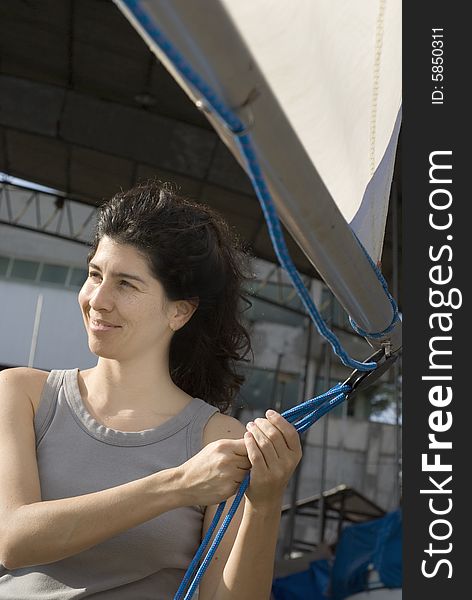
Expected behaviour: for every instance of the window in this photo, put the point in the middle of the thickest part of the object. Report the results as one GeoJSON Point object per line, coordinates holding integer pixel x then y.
{"type": "Point", "coordinates": [24, 269]}
{"type": "Point", "coordinates": [380, 402]}
{"type": "Point", "coordinates": [78, 277]}
{"type": "Point", "coordinates": [3, 265]}
{"type": "Point", "coordinates": [332, 311]}
{"type": "Point", "coordinates": [54, 274]}
{"type": "Point", "coordinates": [27, 270]}
{"type": "Point", "coordinates": [265, 388]}
{"type": "Point", "coordinates": [268, 311]}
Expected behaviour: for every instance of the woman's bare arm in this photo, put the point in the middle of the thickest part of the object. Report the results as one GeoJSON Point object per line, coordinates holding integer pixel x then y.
{"type": "Point", "coordinates": [35, 532]}
{"type": "Point", "coordinates": [243, 565]}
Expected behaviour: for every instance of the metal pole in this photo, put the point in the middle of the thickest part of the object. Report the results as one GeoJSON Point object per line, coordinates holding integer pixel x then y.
{"type": "Point", "coordinates": [275, 386]}
{"type": "Point", "coordinates": [290, 528]}
{"type": "Point", "coordinates": [34, 338]}
{"type": "Point", "coordinates": [341, 462]}
{"type": "Point", "coordinates": [396, 369]}
{"type": "Point", "coordinates": [398, 436]}
{"type": "Point", "coordinates": [327, 377]}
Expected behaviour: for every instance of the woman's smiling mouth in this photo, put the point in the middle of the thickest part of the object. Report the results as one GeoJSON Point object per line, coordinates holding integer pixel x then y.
{"type": "Point", "coordinates": [98, 325]}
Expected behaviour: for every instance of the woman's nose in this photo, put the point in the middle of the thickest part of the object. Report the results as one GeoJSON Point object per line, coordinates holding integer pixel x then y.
{"type": "Point", "coordinates": [102, 297]}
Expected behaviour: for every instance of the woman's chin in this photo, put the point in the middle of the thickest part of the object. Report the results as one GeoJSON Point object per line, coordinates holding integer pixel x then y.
{"type": "Point", "coordinates": [102, 350]}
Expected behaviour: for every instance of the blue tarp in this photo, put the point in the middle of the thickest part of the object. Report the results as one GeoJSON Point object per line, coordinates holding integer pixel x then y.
{"type": "Point", "coordinates": [377, 543]}
{"type": "Point", "coordinates": [312, 583]}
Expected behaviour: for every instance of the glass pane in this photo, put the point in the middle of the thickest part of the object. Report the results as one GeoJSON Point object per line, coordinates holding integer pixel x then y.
{"type": "Point", "coordinates": [381, 402]}
{"type": "Point", "coordinates": [24, 269]}
{"type": "Point", "coordinates": [332, 311]}
{"type": "Point", "coordinates": [263, 389]}
{"type": "Point", "coordinates": [256, 391]}
{"type": "Point", "coordinates": [78, 277]}
{"type": "Point", "coordinates": [54, 274]}
{"type": "Point", "coordinates": [3, 265]}
{"type": "Point", "coordinates": [263, 311]}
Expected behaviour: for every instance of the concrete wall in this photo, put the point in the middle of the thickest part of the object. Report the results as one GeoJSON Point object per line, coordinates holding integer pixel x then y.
{"type": "Point", "coordinates": [360, 454]}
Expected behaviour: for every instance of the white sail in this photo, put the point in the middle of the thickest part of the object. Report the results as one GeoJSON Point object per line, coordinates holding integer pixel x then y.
{"type": "Point", "coordinates": [335, 67]}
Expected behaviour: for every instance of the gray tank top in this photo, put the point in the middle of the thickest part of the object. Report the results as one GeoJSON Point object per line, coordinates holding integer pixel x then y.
{"type": "Point", "coordinates": [78, 455]}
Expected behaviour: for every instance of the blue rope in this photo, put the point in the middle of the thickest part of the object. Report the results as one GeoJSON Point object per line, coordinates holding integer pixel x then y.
{"type": "Point", "coordinates": [280, 247]}
{"type": "Point", "coordinates": [302, 417]}
{"type": "Point", "coordinates": [237, 127]}
{"type": "Point", "coordinates": [204, 543]}
{"type": "Point", "coordinates": [216, 542]}
{"type": "Point", "coordinates": [393, 304]}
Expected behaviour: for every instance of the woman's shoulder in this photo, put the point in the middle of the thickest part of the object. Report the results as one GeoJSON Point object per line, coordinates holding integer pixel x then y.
{"type": "Point", "coordinates": [221, 426]}
{"type": "Point", "coordinates": [29, 380]}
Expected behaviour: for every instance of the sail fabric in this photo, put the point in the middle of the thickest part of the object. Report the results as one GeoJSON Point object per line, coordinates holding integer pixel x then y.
{"type": "Point", "coordinates": [335, 67]}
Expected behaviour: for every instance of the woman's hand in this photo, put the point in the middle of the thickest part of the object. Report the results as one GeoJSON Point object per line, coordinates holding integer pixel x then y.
{"type": "Point", "coordinates": [274, 450]}
{"type": "Point", "coordinates": [215, 473]}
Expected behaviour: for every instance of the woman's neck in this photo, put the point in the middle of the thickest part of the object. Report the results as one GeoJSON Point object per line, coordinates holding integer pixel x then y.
{"type": "Point", "coordinates": [131, 388]}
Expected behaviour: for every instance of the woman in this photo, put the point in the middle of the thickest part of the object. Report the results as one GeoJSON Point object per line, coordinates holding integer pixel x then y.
{"type": "Point", "coordinates": [112, 475]}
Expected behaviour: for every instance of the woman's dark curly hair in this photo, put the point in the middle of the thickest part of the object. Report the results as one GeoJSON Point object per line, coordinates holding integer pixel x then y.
{"type": "Point", "coordinates": [193, 253]}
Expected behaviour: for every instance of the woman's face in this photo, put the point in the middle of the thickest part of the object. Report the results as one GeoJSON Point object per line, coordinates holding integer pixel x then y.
{"type": "Point", "coordinates": [121, 291]}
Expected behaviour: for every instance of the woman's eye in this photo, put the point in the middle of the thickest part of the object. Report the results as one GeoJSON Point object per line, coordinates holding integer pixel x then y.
{"type": "Point", "coordinates": [123, 282]}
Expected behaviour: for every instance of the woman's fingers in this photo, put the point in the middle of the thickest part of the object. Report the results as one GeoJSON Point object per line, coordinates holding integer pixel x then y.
{"type": "Point", "coordinates": [237, 446]}
{"type": "Point", "coordinates": [288, 431]}
{"type": "Point", "coordinates": [240, 478]}
{"type": "Point", "coordinates": [265, 444]}
{"type": "Point", "coordinates": [274, 449]}
{"type": "Point", "coordinates": [273, 434]}
{"type": "Point", "coordinates": [254, 452]}
{"type": "Point", "coordinates": [280, 432]}
{"type": "Point", "coordinates": [245, 466]}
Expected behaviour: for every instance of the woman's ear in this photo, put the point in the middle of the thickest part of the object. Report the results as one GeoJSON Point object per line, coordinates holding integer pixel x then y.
{"type": "Point", "coordinates": [182, 312]}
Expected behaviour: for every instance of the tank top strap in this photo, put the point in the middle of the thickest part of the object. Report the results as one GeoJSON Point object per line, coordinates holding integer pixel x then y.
{"type": "Point", "coordinates": [47, 403]}
{"type": "Point", "coordinates": [201, 416]}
